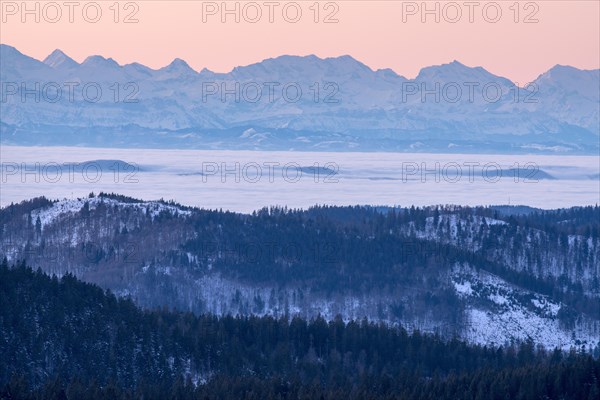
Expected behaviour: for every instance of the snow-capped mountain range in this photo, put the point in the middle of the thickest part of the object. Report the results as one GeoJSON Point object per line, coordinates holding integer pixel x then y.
{"type": "Point", "coordinates": [293, 102]}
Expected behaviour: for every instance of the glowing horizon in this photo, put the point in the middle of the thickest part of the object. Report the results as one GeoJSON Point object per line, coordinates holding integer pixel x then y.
{"type": "Point", "coordinates": [282, 55]}
{"type": "Point", "coordinates": [379, 34]}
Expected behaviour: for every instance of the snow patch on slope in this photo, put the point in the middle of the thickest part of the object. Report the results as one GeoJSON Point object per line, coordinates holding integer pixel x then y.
{"type": "Point", "coordinates": [66, 207]}
{"type": "Point", "coordinates": [499, 313]}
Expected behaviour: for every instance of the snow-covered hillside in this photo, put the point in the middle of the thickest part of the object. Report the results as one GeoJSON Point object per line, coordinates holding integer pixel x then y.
{"type": "Point", "coordinates": [489, 277]}
{"type": "Point", "coordinates": [499, 313]}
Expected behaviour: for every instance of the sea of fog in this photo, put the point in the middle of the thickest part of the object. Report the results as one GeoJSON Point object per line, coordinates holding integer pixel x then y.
{"type": "Point", "coordinates": [244, 181]}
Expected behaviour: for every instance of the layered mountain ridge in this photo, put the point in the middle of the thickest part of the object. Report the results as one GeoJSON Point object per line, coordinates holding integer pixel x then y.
{"type": "Point", "coordinates": [296, 103]}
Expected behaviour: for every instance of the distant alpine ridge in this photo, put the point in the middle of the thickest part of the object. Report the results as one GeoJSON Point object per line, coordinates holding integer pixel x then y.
{"type": "Point", "coordinates": [295, 103]}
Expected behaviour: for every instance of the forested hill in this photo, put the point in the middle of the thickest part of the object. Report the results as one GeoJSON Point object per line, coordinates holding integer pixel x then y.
{"type": "Point", "coordinates": [65, 339]}
{"type": "Point", "coordinates": [488, 275]}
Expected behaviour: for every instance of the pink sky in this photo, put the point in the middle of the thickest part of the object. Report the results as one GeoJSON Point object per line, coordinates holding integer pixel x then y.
{"type": "Point", "coordinates": [567, 32]}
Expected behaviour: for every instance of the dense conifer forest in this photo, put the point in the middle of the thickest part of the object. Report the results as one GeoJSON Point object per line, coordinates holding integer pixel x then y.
{"type": "Point", "coordinates": [489, 275]}
{"type": "Point", "coordinates": [66, 339]}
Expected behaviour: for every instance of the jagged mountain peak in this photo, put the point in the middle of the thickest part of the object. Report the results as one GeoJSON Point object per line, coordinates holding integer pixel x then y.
{"type": "Point", "coordinates": [7, 50]}
{"type": "Point", "coordinates": [97, 61]}
{"type": "Point", "coordinates": [559, 72]}
{"type": "Point", "coordinates": [572, 81]}
{"type": "Point", "coordinates": [140, 68]}
{"type": "Point", "coordinates": [178, 65]}
{"type": "Point", "coordinates": [58, 59]}
{"type": "Point", "coordinates": [295, 65]}
{"type": "Point", "coordinates": [15, 65]}
{"type": "Point", "coordinates": [10, 55]}
{"type": "Point", "coordinates": [459, 72]}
